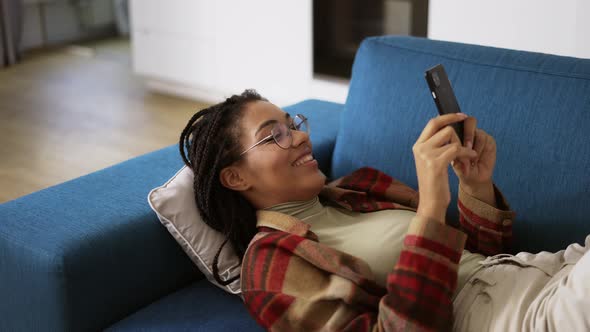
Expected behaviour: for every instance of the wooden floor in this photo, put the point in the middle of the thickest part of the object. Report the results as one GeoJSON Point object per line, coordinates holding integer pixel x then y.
{"type": "Point", "coordinates": [69, 112]}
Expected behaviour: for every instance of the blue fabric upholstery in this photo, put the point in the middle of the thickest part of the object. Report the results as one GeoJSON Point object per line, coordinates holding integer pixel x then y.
{"type": "Point", "coordinates": [199, 307]}
{"type": "Point", "coordinates": [84, 254]}
{"type": "Point", "coordinates": [88, 252]}
{"type": "Point", "coordinates": [537, 106]}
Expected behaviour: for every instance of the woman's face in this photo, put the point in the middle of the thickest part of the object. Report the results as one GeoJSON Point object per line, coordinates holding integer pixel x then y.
{"type": "Point", "coordinates": [268, 174]}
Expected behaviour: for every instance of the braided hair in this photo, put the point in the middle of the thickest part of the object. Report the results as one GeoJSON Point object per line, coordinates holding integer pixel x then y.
{"type": "Point", "coordinates": [211, 140]}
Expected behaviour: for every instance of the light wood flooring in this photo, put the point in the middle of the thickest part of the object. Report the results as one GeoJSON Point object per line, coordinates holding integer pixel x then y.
{"type": "Point", "coordinates": [69, 112]}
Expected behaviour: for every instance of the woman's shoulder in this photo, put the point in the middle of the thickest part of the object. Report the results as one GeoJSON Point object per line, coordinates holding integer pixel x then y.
{"type": "Point", "coordinates": [269, 248]}
{"type": "Point", "coordinates": [269, 238]}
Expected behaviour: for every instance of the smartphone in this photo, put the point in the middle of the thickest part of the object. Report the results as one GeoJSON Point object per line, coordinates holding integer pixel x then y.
{"type": "Point", "coordinates": [443, 95]}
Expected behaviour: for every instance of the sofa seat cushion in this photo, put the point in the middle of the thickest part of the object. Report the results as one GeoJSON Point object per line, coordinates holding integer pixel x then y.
{"type": "Point", "coordinates": [198, 307]}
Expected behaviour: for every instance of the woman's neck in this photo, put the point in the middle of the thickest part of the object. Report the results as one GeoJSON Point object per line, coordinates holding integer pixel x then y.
{"type": "Point", "coordinates": [298, 209]}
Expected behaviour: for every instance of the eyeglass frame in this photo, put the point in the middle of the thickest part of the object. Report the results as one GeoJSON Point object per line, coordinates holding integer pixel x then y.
{"type": "Point", "coordinates": [271, 136]}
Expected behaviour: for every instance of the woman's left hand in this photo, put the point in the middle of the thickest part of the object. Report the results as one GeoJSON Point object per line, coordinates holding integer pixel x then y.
{"type": "Point", "coordinates": [475, 174]}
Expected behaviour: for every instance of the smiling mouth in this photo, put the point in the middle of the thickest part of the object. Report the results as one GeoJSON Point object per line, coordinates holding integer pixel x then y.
{"type": "Point", "coordinates": [302, 160]}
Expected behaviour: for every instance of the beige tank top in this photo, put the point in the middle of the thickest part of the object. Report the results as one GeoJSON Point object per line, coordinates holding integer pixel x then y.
{"type": "Point", "coordinates": [375, 237]}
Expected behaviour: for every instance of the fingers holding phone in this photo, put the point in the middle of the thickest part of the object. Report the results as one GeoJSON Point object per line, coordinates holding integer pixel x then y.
{"type": "Point", "coordinates": [469, 129]}
{"type": "Point", "coordinates": [475, 163]}
{"type": "Point", "coordinates": [434, 149]}
{"type": "Point", "coordinates": [480, 168]}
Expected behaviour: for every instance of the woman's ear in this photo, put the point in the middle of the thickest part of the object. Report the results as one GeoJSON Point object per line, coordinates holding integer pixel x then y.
{"type": "Point", "coordinates": [232, 178]}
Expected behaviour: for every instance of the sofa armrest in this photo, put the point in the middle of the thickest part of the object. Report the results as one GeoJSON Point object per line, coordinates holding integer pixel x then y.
{"type": "Point", "coordinates": [86, 253]}
{"type": "Point", "coordinates": [324, 121]}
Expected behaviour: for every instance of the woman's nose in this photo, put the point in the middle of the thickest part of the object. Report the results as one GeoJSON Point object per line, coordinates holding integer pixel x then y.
{"type": "Point", "coordinates": [299, 137]}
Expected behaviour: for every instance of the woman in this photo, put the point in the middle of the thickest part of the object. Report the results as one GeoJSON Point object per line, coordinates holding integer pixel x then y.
{"type": "Point", "coordinates": [369, 257]}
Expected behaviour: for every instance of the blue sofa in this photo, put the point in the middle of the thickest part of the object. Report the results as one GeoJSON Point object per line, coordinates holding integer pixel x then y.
{"type": "Point", "coordinates": [89, 254]}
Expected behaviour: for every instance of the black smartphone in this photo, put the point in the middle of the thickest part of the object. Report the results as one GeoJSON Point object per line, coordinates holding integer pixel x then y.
{"type": "Point", "coordinates": [443, 95]}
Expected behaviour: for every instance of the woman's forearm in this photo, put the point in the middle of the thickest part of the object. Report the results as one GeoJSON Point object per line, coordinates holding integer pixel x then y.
{"type": "Point", "coordinates": [432, 211]}
{"type": "Point", "coordinates": [483, 192]}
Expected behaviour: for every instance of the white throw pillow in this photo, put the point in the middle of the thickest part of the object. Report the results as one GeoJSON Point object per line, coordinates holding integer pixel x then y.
{"type": "Point", "coordinates": [174, 203]}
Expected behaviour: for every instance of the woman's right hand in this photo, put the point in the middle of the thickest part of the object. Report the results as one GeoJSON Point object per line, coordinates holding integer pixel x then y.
{"type": "Point", "coordinates": [434, 150]}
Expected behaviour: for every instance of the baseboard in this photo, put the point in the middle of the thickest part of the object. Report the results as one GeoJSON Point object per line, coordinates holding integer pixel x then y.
{"type": "Point", "coordinates": [178, 89]}
{"type": "Point", "coordinates": [322, 87]}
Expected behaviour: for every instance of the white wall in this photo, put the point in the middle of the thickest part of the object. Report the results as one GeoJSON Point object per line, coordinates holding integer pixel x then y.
{"type": "Point", "coordinates": [209, 50]}
{"type": "Point", "coordinates": [583, 29]}
{"type": "Point", "coordinates": [212, 49]}
{"type": "Point", "coordinates": [548, 26]}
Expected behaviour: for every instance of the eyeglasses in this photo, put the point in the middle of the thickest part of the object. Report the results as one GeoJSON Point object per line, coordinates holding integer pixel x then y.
{"type": "Point", "coordinates": [281, 134]}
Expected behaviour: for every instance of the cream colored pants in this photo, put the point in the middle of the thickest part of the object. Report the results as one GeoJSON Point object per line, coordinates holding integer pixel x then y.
{"type": "Point", "coordinates": [528, 292]}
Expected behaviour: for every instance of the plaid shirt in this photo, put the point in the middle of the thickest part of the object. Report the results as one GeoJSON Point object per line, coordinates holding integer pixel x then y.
{"type": "Point", "coordinates": [292, 282]}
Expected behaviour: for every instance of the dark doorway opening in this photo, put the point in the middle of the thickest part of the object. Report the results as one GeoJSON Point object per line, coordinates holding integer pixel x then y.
{"type": "Point", "coordinates": [339, 26]}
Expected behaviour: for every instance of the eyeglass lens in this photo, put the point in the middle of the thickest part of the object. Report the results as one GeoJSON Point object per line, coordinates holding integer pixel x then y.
{"type": "Point", "coordinates": [282, 134]}
{"type": "Point", "coordinates": [301, 124]}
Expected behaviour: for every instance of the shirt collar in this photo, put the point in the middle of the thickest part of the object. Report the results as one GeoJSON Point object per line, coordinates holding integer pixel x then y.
{"type": "Point", "coordinates": [299, 209]}
{"type": "Point", "coordinates": [285, 223]}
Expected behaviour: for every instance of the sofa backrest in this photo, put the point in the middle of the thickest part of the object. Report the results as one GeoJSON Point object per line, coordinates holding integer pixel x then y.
{"type": "Point", "coordinates": [537, 107]}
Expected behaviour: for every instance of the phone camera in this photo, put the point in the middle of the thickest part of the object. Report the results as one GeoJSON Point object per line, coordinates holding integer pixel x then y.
{"type": "Point", "coordinates": [436, 79]}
